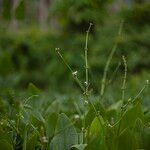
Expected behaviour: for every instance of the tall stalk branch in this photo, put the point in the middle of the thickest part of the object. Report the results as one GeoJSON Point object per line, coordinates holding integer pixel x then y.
{"type": "Point", "coordinates": [74, 73]}
{"type": "Point", "coordinates": [86, 61]}
{"type": "Point", "coordinates": [124, 78]}
{"type": "Point", "coordinates": [103, 84]}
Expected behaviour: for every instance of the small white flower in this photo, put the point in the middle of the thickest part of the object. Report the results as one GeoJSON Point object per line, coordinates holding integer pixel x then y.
{"type": "Point", "coordinates": [147, 82]}
{"type": "Point", "coordinates": [129, 100]}
{"type": "Point", "coordinates": [86, 102]}
{"type": "Point", "coordinates": [85, 83]}
{"type": "Point", "coordinates": [44, 139]}
{"type": "Point", "coordinates": [76, 117]}
{"type": "Point", "coordinates": [109, 125]}
{"type": "Point", "coordinates": [57, 49]}
{"type": "Point", "coordinates": [75, 73]}
{"type": "Point", "coordinates": [83, 129]}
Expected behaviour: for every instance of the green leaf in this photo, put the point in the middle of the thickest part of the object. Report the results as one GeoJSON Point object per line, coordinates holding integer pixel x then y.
{"type": "Point", "coordinates": [96, 135]}
{"type": "Point", "coordinates": [146, 138]}
{"type": "Point", "coordinates": [79, 146]}
{"type": "Point", "coordinates": [115, 106]}
{"type": "Point", "coordinates": [53, 108]}
{"type": "Point", "coordinates": [20, 10]}
{"type": "Point", "coordinates": [65, 134]}
{"type": "Point", "coordinates": [4, 145]}
{"type": "Point", "coordinates": [37, 120]}
{"type": "Point", "coordinates": [33, 90]}
{"type": "Point", "coordinates": [50, 124]}
{"type": "Point", "coordinates": [4, 136]}
{"type": "Point", "coordinates": [138, 131]}
{"type": "Point", "coordinates": [91, 113]}
{"type": "Point", "coordinates": [130, 116]}
{"type": "Point", "coordinates": [112, 112]}
{"type": "Point", "coordinates": [126, 141]}
{"type": "Point", "coordinates": [32, 141]}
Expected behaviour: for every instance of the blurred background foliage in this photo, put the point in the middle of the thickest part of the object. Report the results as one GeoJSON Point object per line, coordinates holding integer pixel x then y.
{"type": "Point", "coordinates": [30, 30]}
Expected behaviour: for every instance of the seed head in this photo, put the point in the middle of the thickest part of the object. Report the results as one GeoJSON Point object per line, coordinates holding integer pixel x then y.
{"type": "Point", "coordinates": [57, 49]}
{"type": "Point", "coordinates": [75, 73]}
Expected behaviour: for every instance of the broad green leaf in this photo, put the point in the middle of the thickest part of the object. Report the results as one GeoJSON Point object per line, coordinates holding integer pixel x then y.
{"type": "Point", "coordinates": [53, 108]}
{"type": "Point", "coordinates": [130, 116]}
{"type": "Point", "coordinates": [146, 138]}
{"type": "Point", "coordinates": [96, 136]}
{"type": "Point", "coordinates": [4, 145]}
{"type": "Point", "coordinates": [79, 146]}
{"type": "Point", "coordinates": [92, 114]}
{"type": "Point", "coordinates": [112, 112]}
{"type": "Point", "coordinates": [126, 141]}
{"type": "Point", "coordinates": [36, 120]}
{"type": "Point", "coordinates": [80, 137]}
{"type": "Point", "coordinates": [65, 134]}
{"type": "Point", "coordinates": [50, 124]}
{"type": "Point", "coordinates": [115, 106]}
{"type": "Point", "coordinates": [4, 136]}
{"type": "Point", "coordinates": [32, 141]}
{"type": "Point", "coordinates": [33, 90]}
{"type": "Point", "coordinates": [138, 131]}
{"type": "Point", "coordinates": [110, 138]}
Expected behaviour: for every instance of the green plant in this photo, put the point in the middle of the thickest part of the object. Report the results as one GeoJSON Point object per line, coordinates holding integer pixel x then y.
{"type": "Point", "coordinates": [84, 123]}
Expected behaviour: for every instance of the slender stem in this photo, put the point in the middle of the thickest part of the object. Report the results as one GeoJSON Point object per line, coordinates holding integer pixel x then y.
{"type": "Point", "coordinates": [86, 61]}
{"type": "Point", "coordinates": [108, 62]}
{"type": "Point", "coordinates": [144, 87]}
{"type": "Point", "coordinates": [74, 74]}
{"type": "Point", "coordinates": [124, 79]}
{"type": "Point", "coordinates": [79, 83]}
{"type": "Point", "coordinates": [62, 58]}
{"type": "Point", "coordinates": [113, 74]}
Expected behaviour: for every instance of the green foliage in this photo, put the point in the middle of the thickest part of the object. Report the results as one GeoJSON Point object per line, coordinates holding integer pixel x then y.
{"type": "Point", "coordinates": [34, 119]}
{"type": "Point", "coordinates": [65, 134]}
{"type": "Point", "coordinates": [20, 10]}
{"type": "Point", "coordinates": [7, 9]}
{"type": "Point", "coordinates": [52, 129]}
{"type": "Point", "coordinates": [138, 15]}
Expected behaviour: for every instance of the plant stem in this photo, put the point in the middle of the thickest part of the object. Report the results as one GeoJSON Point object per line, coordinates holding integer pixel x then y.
{"type": "Point", "coordinates": [108, 62]}
{"type": "Point", "coordinates": [113, 74]}
{"type": "Point", "coordinates": [74, 74]}
{"type": "Point", "coordinates": [62, 58]}
{"type": "Point", "coordinates": [144, 87]}
{"type": "Point", "coordinates": [124, 79]}
{"type": "Point", "coordinates": [86, 61]}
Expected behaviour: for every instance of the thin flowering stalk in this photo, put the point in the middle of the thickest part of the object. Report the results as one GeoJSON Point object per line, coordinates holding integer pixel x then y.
{"type": "Point", "coordinates": [62, 58]}
{"type": "Point", "coordinates": [86, 61]}
{"type": "Point", "coordinates": [113, 74]}
{"type": "Point", "coordinates": [74, 73]}
{"type": "Point", "coordinates": [124, 78]}
{"type": "Point", "coordinates": [108, 62]}
{"type": "Point", "coordinates": [144, 87]}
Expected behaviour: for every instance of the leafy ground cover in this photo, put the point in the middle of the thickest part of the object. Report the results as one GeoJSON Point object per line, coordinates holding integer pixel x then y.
{"type": "Point", "coordinates": [36, 120]}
